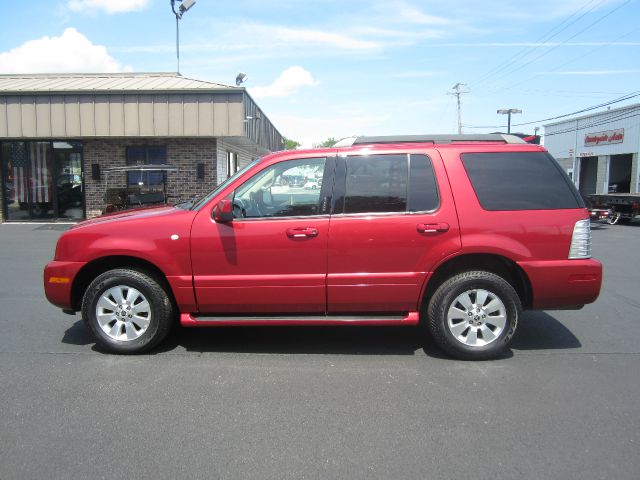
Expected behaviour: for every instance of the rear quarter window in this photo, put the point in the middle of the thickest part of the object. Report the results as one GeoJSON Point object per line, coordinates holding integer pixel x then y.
{"type": "Point", "coordinates": [520, 181]}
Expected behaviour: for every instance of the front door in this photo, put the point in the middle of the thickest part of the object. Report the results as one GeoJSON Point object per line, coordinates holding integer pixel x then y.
{"type": "Point", "coordinates": [68, 185]}
{"type": "Point", "coordinates": [392, 222]}
{"type": "Point", "coordinates": [272, 258]}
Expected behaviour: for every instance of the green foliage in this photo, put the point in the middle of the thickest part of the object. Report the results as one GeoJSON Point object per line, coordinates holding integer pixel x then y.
{"type": "Point", "coordinates": [329, 142]}
{"type": "Point", "coordinates": [290, 144]}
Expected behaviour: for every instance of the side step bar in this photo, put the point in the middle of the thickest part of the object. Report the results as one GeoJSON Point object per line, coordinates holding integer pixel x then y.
{"type": "Point", "coordinates": [191, 320]}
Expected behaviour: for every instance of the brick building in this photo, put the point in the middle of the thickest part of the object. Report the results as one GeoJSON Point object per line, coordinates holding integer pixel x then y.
{"type": "Point", "coordinates": [62, 135]}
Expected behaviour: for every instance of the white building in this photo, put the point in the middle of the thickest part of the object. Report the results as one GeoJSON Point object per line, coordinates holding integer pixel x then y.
{"type": "Point", "coordinates": [599, 151]}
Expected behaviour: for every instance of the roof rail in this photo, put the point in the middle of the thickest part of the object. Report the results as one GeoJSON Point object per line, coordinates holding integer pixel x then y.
{"type": "Point", "coordinates": [501, 138]}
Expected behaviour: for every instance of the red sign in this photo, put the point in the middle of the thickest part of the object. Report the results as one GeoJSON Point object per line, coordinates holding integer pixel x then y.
{"type": "Point", "coordinates": [604, 138]}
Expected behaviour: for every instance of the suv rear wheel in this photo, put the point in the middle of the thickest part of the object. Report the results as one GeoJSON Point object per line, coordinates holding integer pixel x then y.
{"type": "Point", "coordinates": [473, 315]}
{"type": "Point", "coordinates": [127, 311]}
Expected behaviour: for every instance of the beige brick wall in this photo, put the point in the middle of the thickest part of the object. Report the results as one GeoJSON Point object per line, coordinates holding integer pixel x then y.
{"type": "Point", "coordinates": [184, 154]}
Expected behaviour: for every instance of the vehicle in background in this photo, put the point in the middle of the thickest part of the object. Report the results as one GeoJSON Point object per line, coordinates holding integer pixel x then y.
{"type": "Point", "coordinates": [624, 207]}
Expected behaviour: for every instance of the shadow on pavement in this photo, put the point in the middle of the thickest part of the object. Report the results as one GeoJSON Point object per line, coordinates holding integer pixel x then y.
{"type": "Point", "coordinates": [540, 331]}
{"type": "Point", "coordinates": [537, 331]}
{"type": "Point", "coordinates": [299, 340]}
{"type": "Point", "coordinates": [77, 334]}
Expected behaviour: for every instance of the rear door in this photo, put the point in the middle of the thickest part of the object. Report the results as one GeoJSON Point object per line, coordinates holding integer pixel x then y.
{"type": "Point", "coordinates": [393, 220]}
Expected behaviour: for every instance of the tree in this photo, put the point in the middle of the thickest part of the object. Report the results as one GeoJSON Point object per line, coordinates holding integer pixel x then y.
{"type": "Point", "coordinates": [290, 144]}
{"type": "Point", "coordinates": [329, 142]}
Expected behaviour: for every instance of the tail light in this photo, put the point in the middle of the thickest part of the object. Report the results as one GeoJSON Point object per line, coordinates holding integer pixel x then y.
{"type": "Point", "coordinates": [581, 240]}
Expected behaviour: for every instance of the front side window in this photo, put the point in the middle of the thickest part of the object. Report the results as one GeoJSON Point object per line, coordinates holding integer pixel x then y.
{"type": "Point", "coordinates": [286, 189]}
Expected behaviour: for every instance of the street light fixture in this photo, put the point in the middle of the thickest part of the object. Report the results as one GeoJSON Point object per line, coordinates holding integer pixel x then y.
{"type": "Point", "coordinates": [509, 111]}
{"type": "Point", "coordinates": [184, 6]}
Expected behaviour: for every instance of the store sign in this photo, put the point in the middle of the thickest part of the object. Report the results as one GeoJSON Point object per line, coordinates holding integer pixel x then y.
{"type": "Point", "coordinates": [604, 138]}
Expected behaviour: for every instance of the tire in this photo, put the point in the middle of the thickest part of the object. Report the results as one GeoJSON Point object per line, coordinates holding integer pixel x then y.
{"type": "Point", "coordinates": [127, 311]}
{"type": "Point", "coordinates": [473, 315]}
{"type": "Point", "coordinates": [615, 218]}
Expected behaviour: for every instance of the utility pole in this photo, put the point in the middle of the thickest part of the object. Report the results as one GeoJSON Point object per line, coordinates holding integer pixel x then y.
{"type": "Point", "coordinates": [457, 91]}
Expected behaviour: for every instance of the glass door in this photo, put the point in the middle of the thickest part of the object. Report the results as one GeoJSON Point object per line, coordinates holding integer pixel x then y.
{"type": "Point", "coordinates": [69, 187]}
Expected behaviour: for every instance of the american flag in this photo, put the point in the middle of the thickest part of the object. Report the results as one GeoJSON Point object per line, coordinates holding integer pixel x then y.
{"type": "Point", "coordinates": [31, 165]}
{"type": "Point", "coordinates": [40, 163]}
{"type": "Point", "coordinates": [18, 157]}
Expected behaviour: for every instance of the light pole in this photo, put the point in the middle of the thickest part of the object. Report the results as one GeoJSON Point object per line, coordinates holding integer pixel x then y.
{"type": "Point", "coordinates": [184, 6]}
{"type": "Point", "coordinates": [509, 111]}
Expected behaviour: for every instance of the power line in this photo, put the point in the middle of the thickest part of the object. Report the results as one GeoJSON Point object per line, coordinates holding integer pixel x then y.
{"type": "Point", "coordinates": [597, 123]}
{"type": "Point", "coordinates": [588, 109]}
{"type": "Point", "coordinates": [548, 51]}
{"type": "Point", "coordinates": [589, 52]}
{"type": "Point", "coordinates": [543, 40]}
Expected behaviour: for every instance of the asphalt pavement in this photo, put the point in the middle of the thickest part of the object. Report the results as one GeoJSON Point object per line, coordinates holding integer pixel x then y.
{"type": "Point", "coordinates": [316, 403]}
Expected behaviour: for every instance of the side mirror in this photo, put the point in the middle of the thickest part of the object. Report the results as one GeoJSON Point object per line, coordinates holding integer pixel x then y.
{"type": "Point", "coordinates": [223, 211]}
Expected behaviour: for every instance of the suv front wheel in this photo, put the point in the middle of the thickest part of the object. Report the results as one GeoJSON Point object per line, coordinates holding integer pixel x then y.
{"type": "Point", "coordinates": [128, 311]}
{"type": "Point", "coordinates": [473, 315]}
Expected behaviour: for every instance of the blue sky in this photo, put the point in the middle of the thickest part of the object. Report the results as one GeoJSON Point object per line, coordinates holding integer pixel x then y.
{"type": "Point", "coordinates": [337, 68]}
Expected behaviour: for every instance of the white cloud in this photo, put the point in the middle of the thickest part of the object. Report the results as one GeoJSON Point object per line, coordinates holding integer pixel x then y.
{"type": "Point", "coordinates": [288, 83]}
{"type": "Point", "coordinates": [411, 14]}
{"type": "Point", "coordinates": [108, 6]}
{"type": "Point", "coordinates": [71, 52]}
{"type": "Point", "coordinates": [320, 37]}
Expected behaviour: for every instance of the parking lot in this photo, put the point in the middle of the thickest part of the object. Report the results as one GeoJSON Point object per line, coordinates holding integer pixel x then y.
{"type": "Point", "coordinates": [296, 403]}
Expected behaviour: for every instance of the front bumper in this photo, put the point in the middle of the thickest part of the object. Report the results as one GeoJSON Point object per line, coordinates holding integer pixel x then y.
{"type": "Point", "coordinates": [563, 284]}
{"type": "Point", "coordinates": [58, 281]}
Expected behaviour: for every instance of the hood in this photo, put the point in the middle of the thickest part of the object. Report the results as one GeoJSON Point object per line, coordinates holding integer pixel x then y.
{"type": "Point", "coordinates": [133, 214]}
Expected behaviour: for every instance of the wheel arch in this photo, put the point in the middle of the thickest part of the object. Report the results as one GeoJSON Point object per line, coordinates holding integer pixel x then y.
{"type": "Point", "coordinates": [497, 264]}
{"type": "Point", "coordinates": [100, 265]}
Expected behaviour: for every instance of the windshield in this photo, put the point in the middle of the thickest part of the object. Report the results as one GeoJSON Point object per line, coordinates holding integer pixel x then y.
{"type": "Point", "coordinates": [199, 203]}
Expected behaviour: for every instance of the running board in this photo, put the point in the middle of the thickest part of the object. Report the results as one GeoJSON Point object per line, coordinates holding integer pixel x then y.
{"type": "Point", "coordinates": [190, 320]}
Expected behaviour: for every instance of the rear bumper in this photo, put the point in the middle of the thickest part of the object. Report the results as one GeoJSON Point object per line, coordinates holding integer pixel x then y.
{"type": "Point", "coordinates": [563, 284]}
{"type": "Point", "coordinates": [58, 280]}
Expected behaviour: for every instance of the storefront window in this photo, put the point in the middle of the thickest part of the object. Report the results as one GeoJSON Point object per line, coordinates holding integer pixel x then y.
{"type": "Point", "coordinates": [40, 183]}
{"type": "Point", "coordinates": [146, 156]}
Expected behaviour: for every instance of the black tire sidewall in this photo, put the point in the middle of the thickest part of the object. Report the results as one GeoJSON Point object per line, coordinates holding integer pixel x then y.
{"type": "Point", "coordinates": [450, 290]}
{"type": "Point", "coordinates": [156, 296]}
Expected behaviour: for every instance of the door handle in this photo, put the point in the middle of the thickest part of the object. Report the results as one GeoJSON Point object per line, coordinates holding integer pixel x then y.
{"type": "Point", "coordinates": [432, 227]}
{"type": "Point", "coordinates": [302, 232]}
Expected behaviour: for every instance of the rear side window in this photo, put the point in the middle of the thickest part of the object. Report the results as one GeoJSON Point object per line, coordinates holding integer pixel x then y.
{"type": "Point", "coordinates": [376, 183]}
{"type": "Point", "coordinates": [519, 181]}
{"type": "Point", "coordinates": [390, 183]}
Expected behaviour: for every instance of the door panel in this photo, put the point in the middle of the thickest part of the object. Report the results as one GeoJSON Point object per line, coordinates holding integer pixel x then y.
{"type": "Point", "coordinates": [256, 266]}
{"type": "Point", "coordinates": [378, 262]}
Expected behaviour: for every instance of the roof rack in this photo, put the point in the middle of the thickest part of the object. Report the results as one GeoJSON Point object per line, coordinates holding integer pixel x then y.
{"type": "Point", "coordinates": [501, 138]}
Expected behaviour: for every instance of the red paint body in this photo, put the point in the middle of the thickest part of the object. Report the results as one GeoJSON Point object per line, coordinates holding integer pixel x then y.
{"type": "Point", "coordinates": [372, 265]}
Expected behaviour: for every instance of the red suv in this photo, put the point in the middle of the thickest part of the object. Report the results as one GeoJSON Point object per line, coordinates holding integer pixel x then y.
{"type": "Point", "coordinates": [457, 233]}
